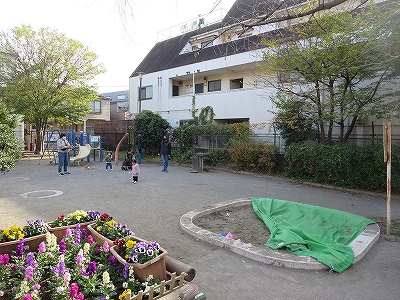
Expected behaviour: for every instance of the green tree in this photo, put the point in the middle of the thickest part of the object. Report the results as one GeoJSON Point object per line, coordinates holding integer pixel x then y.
{"type": "Point", "coordinates": [151, 127]}
{"type": "Point", "coordinates": [340, 65]}
{"type": "Point", "coordinates": [45, 76]}
{"type": "Point", "coordinates": [9, 145]}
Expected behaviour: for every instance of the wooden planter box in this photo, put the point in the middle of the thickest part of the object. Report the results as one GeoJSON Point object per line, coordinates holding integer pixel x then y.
{"type": "Point", "coordinates": [33, 243]}
{"type": "Point", "coordinates": [59, 232]}
{"type": "Point", "coordinates": [155, 267]}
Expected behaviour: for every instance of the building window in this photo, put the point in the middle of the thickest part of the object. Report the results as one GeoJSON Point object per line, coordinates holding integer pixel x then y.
{"type": "Point", "coordinates": [146, 92]}
{"type": "Point", "coordinates": [214, 85]}
{"type": "Point", "coordinates": [175, 90]}
{"type": "Point", "coordinates": [96, 107]}
{"type": "Point", "coordinates": [236, 83]}
{"type": "Point", "coordinates": [121, 97]}
{"type": "Point", "coordinates": [199, 88]}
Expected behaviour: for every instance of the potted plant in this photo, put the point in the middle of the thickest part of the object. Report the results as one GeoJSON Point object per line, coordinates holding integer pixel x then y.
{"type": "Point", "coordinates": [106, 229]}
{"type": "Point", "coordinates": [84, 218]}
{"type": "Point", "coordinates": [145, 257]}
{"type": "Point", "coordinates": [33, 233]}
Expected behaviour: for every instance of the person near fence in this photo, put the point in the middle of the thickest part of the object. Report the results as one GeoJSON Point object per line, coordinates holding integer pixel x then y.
{"type": "Point", "coordinates": [108, 159]}
{"type": "Point", "coordinates": [63, 156]}
{"type": "Point", "coordinates": [135, 171]}
{"type": "Point", "coordinates": [165, 152]}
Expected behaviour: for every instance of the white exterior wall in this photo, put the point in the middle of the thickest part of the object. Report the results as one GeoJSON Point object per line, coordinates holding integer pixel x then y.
{"type": "Point", "coordinates": [250, 102]}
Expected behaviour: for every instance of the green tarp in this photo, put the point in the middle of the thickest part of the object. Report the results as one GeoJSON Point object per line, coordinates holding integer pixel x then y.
{"type": "Point", "coordinates": [308, 230]}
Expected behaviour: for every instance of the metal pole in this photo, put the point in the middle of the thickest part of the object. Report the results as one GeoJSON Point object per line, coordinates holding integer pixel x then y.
{"type": "Point", "coordinates": [389, 175]}
{"type": "Point", "coordinates": [140, 95]}
{"type": "Point", "coordinates": [193, 85]}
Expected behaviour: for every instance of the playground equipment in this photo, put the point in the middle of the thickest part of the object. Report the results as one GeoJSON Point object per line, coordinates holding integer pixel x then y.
{"type": "Point", "coordinates": [83, 153]}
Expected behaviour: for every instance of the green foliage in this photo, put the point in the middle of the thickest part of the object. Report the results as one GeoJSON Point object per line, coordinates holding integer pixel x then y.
{"type": "Point", "coordinates": [350, 166]}
{"type": "Point", "coordinates": [152, 127]}
{"type": "Point", "coordinates": [185, 136]}
{"type": "Point", "coordinates": [182, 158]}
{"type": "Point", "coordinates": [247, 155]}
{"type": "Point", "coordinates": [330, 65]}
{"type": "Point", "coordinates": [46, 76]}
{"type": "Point", "coordinates": [9, 145]}
{"type": "Point", "coordinates": [292, 120]}
{"type": "Point", "coordinates": [216, 157]}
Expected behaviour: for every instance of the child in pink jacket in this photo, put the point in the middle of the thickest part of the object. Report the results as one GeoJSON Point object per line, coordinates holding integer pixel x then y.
{"type": "Point", "coordinates": [135, 171]}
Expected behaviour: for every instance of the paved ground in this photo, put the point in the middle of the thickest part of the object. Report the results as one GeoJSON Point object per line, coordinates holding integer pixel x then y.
{"type": "Point", "coordinates": [153, 207]}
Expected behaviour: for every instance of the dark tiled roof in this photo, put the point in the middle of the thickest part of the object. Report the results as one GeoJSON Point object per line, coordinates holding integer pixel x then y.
{"type": "Point", "coordinates": [165, 54]}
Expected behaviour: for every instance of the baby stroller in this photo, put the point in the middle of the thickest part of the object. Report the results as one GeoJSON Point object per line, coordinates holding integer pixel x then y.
{"type": "Point", "coordinates": [127, 164]}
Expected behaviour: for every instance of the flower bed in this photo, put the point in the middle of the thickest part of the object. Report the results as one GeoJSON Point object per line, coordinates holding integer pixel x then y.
{"type": "Point", "coordinates": [74, 268]}
{"type": "Point", "coordinates": [59, 226]}
{"type": "Point", "coordinates": [33, 234]}
{"type": "Point", "coordinates": [106, 229]}
{"type": "Point", "coordinates": [144, 257]}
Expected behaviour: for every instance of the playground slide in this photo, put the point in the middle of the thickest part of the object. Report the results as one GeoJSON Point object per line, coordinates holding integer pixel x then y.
{"type": "Point", "coordinates": [84, 151]}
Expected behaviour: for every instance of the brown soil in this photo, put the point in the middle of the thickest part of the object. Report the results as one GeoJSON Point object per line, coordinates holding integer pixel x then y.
{"type": "Point", "coordinates": [245, 225]}
{"type": "Point", "coordinates": [241, 221]}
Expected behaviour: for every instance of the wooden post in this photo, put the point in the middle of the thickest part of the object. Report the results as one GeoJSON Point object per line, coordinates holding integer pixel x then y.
{"type": "Point", "coordinates": [387, 145]}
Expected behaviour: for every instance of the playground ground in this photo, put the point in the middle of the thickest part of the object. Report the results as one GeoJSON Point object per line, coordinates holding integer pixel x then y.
{"type": "Point", "coordinates": [153, 207]}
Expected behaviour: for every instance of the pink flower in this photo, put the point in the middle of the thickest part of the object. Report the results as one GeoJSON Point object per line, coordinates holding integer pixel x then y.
{"type": "Point", "coordinates": [28, 297]}
{"type": "Point", "coordinates": [106, 247]}
{"type": "Point", "coordinates": [68, 232]}
{"type": "Point", "coordinates": [80, 296]}
{"type": "Point", "coordinates": [36, 287]}
{"type": "Point", "coordinates": [73, 290]}
{"type": "Point", "coordinates": [29, 273]}
{"type": "Point", "coordinates": [42, 247]}
{"type": "Point", "coordinates": [4, 259]}
{"type": "Point", "coordinates": [90, 239]}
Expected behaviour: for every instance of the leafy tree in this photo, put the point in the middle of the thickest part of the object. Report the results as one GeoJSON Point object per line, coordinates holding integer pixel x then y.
{"type": "Point", "coordinates": [293, 121]}
{"type": "Point", "coordinates": [9, 145]}
{"type": "Point", "coordinates": [152, 127]}
{"type": "Point", "coordinates": [44, 76]}
{"type": "Point", "coordinates": [340, 66]}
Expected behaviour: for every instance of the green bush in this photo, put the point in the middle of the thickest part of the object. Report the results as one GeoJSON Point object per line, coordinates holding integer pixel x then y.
{"type": "Point", "coordinates": [217, 157]}
{"type": "Point", "coordinates": [181, 158]}
{"type": "Point", "coordinates": [247, 155]}
{"type": "Point", "coordinates": [350, 166]}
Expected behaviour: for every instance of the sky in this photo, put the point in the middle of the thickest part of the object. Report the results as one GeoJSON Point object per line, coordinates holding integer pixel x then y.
{"type": "Point", "coordinates": [120, 39]}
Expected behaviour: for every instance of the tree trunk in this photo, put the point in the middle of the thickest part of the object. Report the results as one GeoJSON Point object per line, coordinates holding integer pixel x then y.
{"type": "Point", "coordinates": [40, 135]}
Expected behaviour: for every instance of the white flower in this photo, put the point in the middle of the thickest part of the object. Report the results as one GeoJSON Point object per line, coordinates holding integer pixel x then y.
{"type": "Point", "coordinates": [125, 285]}
{"type": "Point", "coordinates": [86, 248]}
{"type": "Point", "coordinates": [61, 258]}
{"type": "Point", "coordinates": [106, 277]}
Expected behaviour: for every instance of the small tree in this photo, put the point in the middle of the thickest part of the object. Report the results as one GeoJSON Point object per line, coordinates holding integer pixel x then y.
{"type": "Point", "coordinates": [340, 65]}
{"type": "Point", "coordinates": [44, 76]}
{"type": "Point", "coordinates": [9, 145]}
{"type": "Point", "coordinates": [151, 127]}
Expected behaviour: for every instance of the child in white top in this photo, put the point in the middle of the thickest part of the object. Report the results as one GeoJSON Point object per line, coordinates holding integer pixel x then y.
{"type": "Point", "coordinates": [135, 171]}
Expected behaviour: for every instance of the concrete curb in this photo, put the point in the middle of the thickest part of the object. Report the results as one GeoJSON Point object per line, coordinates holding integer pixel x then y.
{"type": "Point", "coordinates": [266, 255]}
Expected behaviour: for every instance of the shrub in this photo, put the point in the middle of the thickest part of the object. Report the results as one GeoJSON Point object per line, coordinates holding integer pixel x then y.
{"type": "Point", "coordinates": [247, 155]}
{"type": "Point", "coordinates": [350, 166]}
{"type": "Point", "coordinates": [217, 157]}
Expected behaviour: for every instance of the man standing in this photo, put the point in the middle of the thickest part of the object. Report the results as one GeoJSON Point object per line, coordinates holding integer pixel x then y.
{"type": "Point", "coordinates": [165, 152]}
{"type": "Point", "coordinates": [62, 147]}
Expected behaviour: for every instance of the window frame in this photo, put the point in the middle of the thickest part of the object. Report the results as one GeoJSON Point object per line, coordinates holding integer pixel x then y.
{"type": "Point", "coordinates": [211, 85]}
{"type": "Point", "coordinates": [94, 109]}
{"type": "Point", "coordinates": [147, 92]}
{"type": "Point", "coordinates": [235, 81]}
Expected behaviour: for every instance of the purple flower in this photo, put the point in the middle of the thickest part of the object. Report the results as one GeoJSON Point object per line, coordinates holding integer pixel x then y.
{"type": "Point", "coordinates": [63, 246]}
{"type": "Point", "coordinates": [92, 269]}
{"type": "Point", "coordinates": [112, 260]}
{"type": "Point", "coordinates": [36, 287]}
{"type": "Point", "coordinates": [125, 272]}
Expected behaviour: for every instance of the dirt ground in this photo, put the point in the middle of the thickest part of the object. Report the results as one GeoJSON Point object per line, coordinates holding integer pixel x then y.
{"type": "Point", "coordinates": [241, 222]}
{"type": "Point", "coordinates": [245, 225]}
